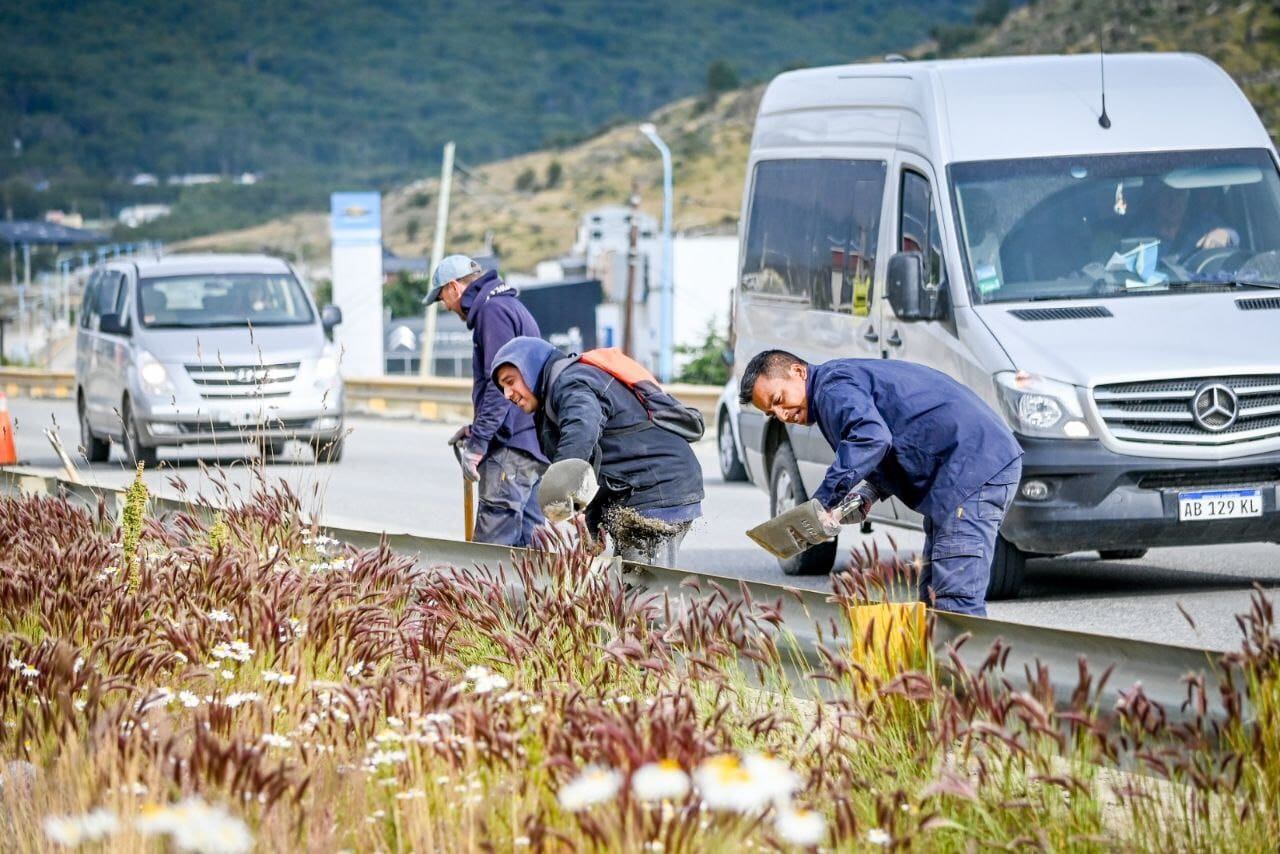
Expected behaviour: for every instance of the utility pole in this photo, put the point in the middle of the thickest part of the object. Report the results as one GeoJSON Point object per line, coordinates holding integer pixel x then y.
{"type": "Point", "coordinates": [633, 257]}
{"type": "Point", "coordinates": [426, 366]}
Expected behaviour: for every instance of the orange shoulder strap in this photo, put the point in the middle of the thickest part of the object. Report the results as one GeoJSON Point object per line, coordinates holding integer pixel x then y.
{"type": "Point", "coordinates": [613, 361]}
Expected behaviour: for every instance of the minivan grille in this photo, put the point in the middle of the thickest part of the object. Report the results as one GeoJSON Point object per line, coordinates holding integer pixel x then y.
{"type": "Point", "coordinates": [1213, 411]}
{"type": "Point", "coordinates": [223, 382]}
{"type": "Point", "coordinates": [1248, 476]}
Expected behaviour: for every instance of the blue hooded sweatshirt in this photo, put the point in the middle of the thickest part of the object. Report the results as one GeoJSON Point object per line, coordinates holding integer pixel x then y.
{"type": "Point", "coordinates": [495, 316]}
{"type": "Point", "coordinates": [602, 421]}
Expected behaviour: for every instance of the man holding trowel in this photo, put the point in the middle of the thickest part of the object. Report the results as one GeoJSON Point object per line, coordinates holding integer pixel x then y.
{"type": "Point", "coordinates": [499, 448]}
{"type": "Point", "coordinates": [618, 445]}
{"type": "Point", "coordinates": [903, 429]}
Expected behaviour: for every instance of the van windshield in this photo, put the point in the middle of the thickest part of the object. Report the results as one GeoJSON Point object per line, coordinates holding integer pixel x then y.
{"type": "Point", "coordinates": [1118, 225]}
{"type": "Point", "coordinates": [242, 299]}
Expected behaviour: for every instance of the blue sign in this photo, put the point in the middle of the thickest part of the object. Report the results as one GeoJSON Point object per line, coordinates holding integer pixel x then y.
{"type": "Point", "coordinates": [355, 219]}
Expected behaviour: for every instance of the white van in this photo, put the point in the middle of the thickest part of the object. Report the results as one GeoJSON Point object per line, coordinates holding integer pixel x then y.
{"type": "Point", "coordinates": [1107, 281]}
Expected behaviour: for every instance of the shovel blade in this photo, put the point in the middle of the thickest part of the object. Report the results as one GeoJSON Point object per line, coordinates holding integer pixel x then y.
{"type": "Point", "coordinates": [791, 532]}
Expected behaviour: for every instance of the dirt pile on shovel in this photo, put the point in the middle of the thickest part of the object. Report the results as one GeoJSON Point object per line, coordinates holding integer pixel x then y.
{"type": "Point", "coordinates": [632, 531]}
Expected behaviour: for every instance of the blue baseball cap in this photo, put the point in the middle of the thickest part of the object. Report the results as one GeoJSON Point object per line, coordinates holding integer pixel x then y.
{"type": "Point", "coordinates": [450, 268]}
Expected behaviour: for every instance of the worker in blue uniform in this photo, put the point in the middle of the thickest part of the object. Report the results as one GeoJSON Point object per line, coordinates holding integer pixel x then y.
{"type": "Point", "coordinates": [901, 429]}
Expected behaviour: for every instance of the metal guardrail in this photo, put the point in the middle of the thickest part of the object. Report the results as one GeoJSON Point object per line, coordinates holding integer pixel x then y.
{"type": "Point", "coordinates": [811, 618]}
{"type": "Point", "coordinates": [429, 398]}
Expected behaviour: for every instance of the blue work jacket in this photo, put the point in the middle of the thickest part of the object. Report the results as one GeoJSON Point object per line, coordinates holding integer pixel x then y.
{"type": "Point", "coordinates": [908, 431]}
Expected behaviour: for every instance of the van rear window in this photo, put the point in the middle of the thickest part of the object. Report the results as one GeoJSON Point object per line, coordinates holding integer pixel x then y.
{"type": "Point", "coordinates": [812, 229]}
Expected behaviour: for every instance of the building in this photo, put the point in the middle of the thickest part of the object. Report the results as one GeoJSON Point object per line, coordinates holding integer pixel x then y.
{"type": "Point", "coordinates": [136, 215]}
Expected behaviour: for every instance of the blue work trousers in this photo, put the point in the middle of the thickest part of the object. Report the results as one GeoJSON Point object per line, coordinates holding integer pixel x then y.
{"type": "Point", "coordinates": [958, 550]}
{"type": "Point", "coordinates": [508, 508]}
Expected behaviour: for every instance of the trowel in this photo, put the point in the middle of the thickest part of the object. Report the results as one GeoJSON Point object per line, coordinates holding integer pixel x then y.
{"type": "Point", "coordinates": [800, 528]}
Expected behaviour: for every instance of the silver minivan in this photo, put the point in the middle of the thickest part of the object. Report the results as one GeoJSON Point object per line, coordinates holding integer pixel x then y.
{"type": "Point", "coordinates": [1104, 278]}
{"type": "Point", "coordinates": [187, 349]}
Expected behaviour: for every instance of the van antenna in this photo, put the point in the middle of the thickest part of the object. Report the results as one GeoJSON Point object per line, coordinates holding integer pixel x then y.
{"type": "Point", "coordinates": [1104, 121]}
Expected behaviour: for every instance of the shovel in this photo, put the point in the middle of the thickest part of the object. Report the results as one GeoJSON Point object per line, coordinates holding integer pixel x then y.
{"type": "Point", "coordinates": [468, 499]}
{"type": "Point", "coordinates": [798, 529]}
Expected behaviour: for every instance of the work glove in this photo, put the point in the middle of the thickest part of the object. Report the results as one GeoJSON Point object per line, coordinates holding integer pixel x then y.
{"type": "Point", "coordinates": [853, 510]}
{"type": "Point", "coordinates": [464, 433]}
{"type": "Point", "coordinates": [470, 461]}
{"type": "Point", "coordinates": [567, 487]}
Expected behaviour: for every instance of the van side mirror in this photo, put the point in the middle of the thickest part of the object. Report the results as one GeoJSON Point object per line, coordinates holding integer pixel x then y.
{"type": "Point", "coordinates": [330, 316]}
{"type": "Point", "coordinates": [910, 297]}
{"type": "Point", "coordinates": [113, 324]}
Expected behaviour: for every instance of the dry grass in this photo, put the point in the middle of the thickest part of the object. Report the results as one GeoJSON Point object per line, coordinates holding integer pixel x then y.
{"type": "Point", "coordinates": [327, 699]}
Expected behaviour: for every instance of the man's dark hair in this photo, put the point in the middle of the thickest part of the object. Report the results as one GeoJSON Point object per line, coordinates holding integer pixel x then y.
{"type": "Point", "coordinates": [770, 363]}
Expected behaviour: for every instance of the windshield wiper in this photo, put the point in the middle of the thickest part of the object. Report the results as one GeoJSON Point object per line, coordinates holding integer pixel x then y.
{"type": "Point", "coordinates": [1216, 283]}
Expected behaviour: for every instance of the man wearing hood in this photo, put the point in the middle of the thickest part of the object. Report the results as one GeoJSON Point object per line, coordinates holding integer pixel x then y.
{"type": "Point", "coordinates": [500, 447]}
{"type": "Point", "coordinates": [639, 482]}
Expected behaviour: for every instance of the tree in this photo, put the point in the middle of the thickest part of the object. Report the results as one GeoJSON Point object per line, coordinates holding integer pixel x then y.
{"type": "Point", "coordinates": [990, 13]}
{"type": "Point", "coordinates": [721, 77]}
{"type": "Point", "coordinates": [403, 295]}
{"type": "Point", "coordinates": [526, 182]}
{"type": "Point", "coordinates": [554, 172]}
{"type": "Point", "coordinates": [708, 366]}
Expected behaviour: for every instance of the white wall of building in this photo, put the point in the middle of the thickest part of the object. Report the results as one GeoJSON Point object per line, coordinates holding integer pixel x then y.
{"type": "Point", "coordinates": [705, 270]}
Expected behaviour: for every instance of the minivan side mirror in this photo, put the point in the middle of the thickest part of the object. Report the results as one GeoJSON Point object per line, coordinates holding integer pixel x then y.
{"type": "Point", "coordinates": [113, 324]}
{"type": "Point", "coordinates": [910, 297]}
{"type": "Point", "coordinates": [330, 316]}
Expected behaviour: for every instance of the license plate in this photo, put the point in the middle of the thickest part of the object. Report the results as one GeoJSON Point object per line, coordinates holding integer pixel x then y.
{"type": "Point", "coordinates": [248, 418]}
{"type": "Point", "coordinates": [1219, 504]}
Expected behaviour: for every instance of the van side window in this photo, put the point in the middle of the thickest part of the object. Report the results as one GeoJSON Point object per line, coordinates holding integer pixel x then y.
{"type": "Point", "coordinates": [918, 229]}
{"type": "Point", "coordinates": [812, 230]}
{"type": "Point", "coordinates": [88, 313]}
{"type": "Point", "coordinates": [108, 292]}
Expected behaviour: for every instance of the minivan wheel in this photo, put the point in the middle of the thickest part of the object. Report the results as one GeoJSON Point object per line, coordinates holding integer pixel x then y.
{"type": "Point", "coordinates": [95, 450]}
{"type": "Point", "coordinates": [1008, 569]}
{"type": "Point", "coordinates": [786, 491]}
{"type": "Point", "coordinates": [133, 447]}
{"type": "Point", "coordinates": [731, 467]}
{"type": "Point", "coordinates": [1122, 554]}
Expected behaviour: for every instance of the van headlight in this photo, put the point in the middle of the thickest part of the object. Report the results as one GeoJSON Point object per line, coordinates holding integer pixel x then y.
{"type": "Point", "coordinates": [1036, 406]}
{"type": "Point", "coordinates": [153, 375]}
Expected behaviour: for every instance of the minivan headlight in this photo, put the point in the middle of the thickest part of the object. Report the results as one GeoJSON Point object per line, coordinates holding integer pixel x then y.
{"type": "Point", "coordinates": [152, 373]}
{"type": "Point", "coordinates": [1041, 407]}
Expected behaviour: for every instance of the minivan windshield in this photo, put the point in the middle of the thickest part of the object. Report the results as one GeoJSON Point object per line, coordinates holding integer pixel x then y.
{"type": "Point", "coordinates": [1118, 225]}
{"type": "Point", "coordinates": [241, 299]}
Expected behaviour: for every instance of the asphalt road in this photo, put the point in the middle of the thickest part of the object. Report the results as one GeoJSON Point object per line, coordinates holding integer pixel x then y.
{"type": "Point", "coordinates": [400, 476]}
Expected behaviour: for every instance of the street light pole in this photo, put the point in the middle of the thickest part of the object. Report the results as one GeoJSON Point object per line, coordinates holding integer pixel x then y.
{"type": "Point", "coordinates": [666, 294]}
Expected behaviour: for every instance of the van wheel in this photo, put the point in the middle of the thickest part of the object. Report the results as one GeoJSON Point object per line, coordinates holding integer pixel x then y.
{"type": "Point", "coordinates": [134, 450]}
{"type": "Point", "coordinates": [1122, 554]}
{"type": "Point", "coordinates": [786, 491]}
{"type": "Point", "coordinates": [327, 451]}
{"type": "Point", "coordinates": [95, 450]}
{"type": "Point", "coordinates": [731, 467]}
{"type": "Point", "coordinates": [1008, 570]}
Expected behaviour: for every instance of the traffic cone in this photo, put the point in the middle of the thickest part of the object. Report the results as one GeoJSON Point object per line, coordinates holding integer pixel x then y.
{"type": "Point", "coordinates": [8, 450]}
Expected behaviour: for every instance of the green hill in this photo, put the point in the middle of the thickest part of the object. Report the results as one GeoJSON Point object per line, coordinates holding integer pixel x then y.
{"type": "Point", "coordinates": [323, 93]}
{"type": "Point", "coordinates": [532, 219]}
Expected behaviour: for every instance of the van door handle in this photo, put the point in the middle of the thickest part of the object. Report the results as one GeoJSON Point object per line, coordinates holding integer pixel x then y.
{"type": "Point", "coordinates": [895, 340]}
{"type": "Point", "coordinates": [870, 335]}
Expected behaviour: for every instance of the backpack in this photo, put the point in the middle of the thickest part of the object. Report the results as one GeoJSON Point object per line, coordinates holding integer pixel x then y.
{"type": "Point", "coordinates": [664, 410]}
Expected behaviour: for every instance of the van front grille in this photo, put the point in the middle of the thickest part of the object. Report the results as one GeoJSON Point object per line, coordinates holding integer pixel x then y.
{"type": "Point", "coordinates": [224, 382]}
{"type": "Point", "coordinates": [1210, 411]}
{"type": "Point", "coordinates": [1246, 476]}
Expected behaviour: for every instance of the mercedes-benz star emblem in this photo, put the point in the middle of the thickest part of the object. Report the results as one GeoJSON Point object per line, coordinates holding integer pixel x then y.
{"type": "Point", "coordinates": [1215, 407]}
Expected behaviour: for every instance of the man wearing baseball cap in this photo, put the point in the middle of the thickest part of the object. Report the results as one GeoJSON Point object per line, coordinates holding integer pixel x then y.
{"type": "Point", "coordinates": [500, 446]}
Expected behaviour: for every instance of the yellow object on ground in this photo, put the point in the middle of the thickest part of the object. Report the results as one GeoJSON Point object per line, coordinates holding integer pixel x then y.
{"type": "Point", "coordinates": [889, 638]}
